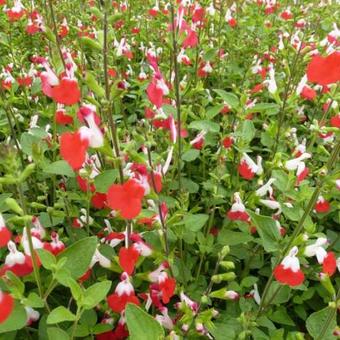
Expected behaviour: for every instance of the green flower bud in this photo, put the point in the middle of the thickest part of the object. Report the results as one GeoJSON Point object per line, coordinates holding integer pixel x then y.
{"type": "Point", "coordinates": [14, 206]}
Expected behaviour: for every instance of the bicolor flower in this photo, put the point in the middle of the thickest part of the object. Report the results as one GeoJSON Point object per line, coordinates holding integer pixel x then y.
{"type": "Point", "coordinates": [293, 164]}
{"type": "Point", "coordinates": [16, 262]}
{"type": "Point", "coordinates": [288, 272]}
{"type": "Point", "coordinates": [124, 294]}
{"type": "Point", "coordinates": [128, 258]}
{"type": "Point", "coordinates": [327, 259]}
{"type": "Point", "coordinates": [248, 168]}
{"type": "Point", "coordinates": [238, 210]}
{"type": "Point", "coordinates": [55, 246]}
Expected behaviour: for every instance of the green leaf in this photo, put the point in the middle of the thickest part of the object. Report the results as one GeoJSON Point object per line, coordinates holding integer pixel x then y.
{"type": "Point", "coordinates": [205, 125]}
{"type": "Point", "coordinates": [232, 238]}
{"type": "Point", "coordinates": [320, 325]}
{"type": "Point", "coordinates": [281, 316]}
{"type": "Point", "coordinates": [16, 320]}
{"type": "Point", "coordinates": [268, 231]}
{"type": "Point", "coordinates": [59, 168]}
{"type": "Point", "coordinates": [91, 43]}
{"type": "Point", "coordinates": [247, 131]}
{"type": "Point", "coordinates": [195, 222]}
{"type": "Point", "coordinates": [141, 325]}
{"type": "Point", "coordinates": [230, 98]}
{"type": "Point", "coordinates": [34, 300]}
{"type": "Point", "coordinates": [267, 108]}
{"type": "Point", "coordinates": [15, 285]}
{"type": "Point", "coordinates": [55, 333]}
{"type": "Point", "coordinates": [60, 314]}
{"type": "Point", "coordinates": [79, 256]}
{"type": "Point", "coordinates": [190, 155]}
{"type": "Point", "coordinates": [105, 179]}
{"type": "Point", "coordinates": [213, 111]}
{"type": "Point", "coordinates": [93, 85]}
{"type": "Point", "coordinates": [47, 259]}
{"type": "Point", "coordinates": [96, 293]}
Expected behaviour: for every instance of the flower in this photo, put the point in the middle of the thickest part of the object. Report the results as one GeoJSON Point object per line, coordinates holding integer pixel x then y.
{"type": "Point", "coordinates": [288, 271]}
{"type": "Point", "coordinates": [73, 147]}
{"type": "Point", "coordinates": [322, 206]}
{"type": "Point", "coordinates": [6, 306]}
{"type": "Point", "coordinates": [5, 234]}
{"type": "Point", "coordinates": [126, 198]}
{"type": "Point", "coordinates": [327, 259]}
{"type": "Point", "coordinates": [248, 168]}
{"type": "Point", "coordinates": [56, 246]}
{"type": "Point", "coordinates": [124, 294]}
{"type": "Point", "coordinates": [16, 262]}
{"type": "Point", "coordinates": [324, 70]}
{"type": "Point", "coordinates": [238, 210]}
{"type": "Point", "coordinates": [128, 258]}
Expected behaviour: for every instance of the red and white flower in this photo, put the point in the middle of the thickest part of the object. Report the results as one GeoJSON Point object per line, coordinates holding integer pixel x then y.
{"type": "Point", "coordinates": [124, 294]}
{"type": "Point", "coordinates": [248, 168]}
{"type": "Point", "coordinates": [288, 271]}
{"type": "Point", "coordinates": [322, 205]}
{"type": "Point", "coordinates": [238, 210]}
{"type": "Point", "coordinates": [327, 259]}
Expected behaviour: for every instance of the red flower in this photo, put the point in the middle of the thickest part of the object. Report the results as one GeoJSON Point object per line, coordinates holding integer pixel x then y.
{"type": "Point", "coordinates": [322, 206]}
{"type": "Point", "coordinates": [63, 119]}
{"type": "Point", "coordinates": [167, 285]}
{"type": "Point", "coordinates": [155, 94]}
{"type": "Point", "coordinates": [245, 170]}
{"type": "Point", "coordinates": [227, 142]}
{"type": "Point", "coordinates": [288, 271]}
{"type": "Point", "coordinates": [98, 200]}
{"type": "Point", "coordinates": [308, 93]}
{"type": "Point", "coordinates": [329, 264]}
{"type": "Point", "coordinates": [6, 306]}
{"type": "Point", "coordinates": [5, 234]}
{"type": "Point", "coordinates": [66, 92]}
{"type": "Point", "coordinates": [73, 149]}
{"type": "Point", "coordinates": [128, 258]}
{"type": "Point", "coordinates": [324, 70]}
{"type": "Point", "coordinates": [335, 121]}
{"type": "Point", "coordinates": [127, 198]}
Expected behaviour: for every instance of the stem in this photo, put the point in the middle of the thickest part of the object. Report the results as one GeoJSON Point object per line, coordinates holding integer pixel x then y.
{"type": "Point", "coordinates": [163, 225]}
{"type": "Point", "coordinates": [332, 160]}
{"type": "Point", "coordinates": [109, 117]}
{"type": "Point", "coordinates": [78, 315]}
{"type": "Point", "coordinates": [55, 31]}
{"type": "Point", "coordinates": [30, 243]}
{"type": "Point", "coordinates": [178, 99]}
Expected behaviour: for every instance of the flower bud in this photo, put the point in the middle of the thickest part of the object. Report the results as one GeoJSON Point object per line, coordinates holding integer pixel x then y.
{"type": "Point", "coordinates": [14, 206]}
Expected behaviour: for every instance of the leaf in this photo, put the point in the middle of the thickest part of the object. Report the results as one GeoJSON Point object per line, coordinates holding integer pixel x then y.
{"type": "Point", "coordinates": [60, 314]}
{"type": "Point", "coordinates": [93, 85]}
{"type": "Point", "coordinates": [230, 98]}
{"type": "Point", "coordinates": [105, 179]}
{"type": "Point", "coordinates": [268, 108]}
{"type": "Point", "coordinates": [141, 325]}
{"type": "Point", "coordinates": [213, 111]}
{"type": "Point", "coordinates": [205, 125]}
{"type": "Point", "coordinates": [55, 333]}
{"type": "Point", "coordinates": [60, 167]}
{"type": "Point", "coordinates": [96, 293]}
{"type": "Point", "coordinates": [247, 131]}
{"type": "Point", "coordinates": [268, 231]}
{"type": "Point", "coordinates": [232, 238]}
{"type": "Point", "coordinates": [34, 300]}
{"type": "Point", "coordinates": [79, 256]}
{"type": "Point", "coordinates": [190, 155]}
{"type": "Point", "coordinates": [320, 325]}
{"type": "Point", "coordinates": [16, 320]}
{"type": "Point", "coordinates": [91, 43]}
{"type": "Point", "coordinates": [47, 259]}
{"type": "Point", "coordinates": [281, 316]}
{"type": "Point", "coordinates": [195, 222]}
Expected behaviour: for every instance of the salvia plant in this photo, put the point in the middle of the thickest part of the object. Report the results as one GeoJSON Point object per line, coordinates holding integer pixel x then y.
{"type": "Point", "coordinates": [169, 169]}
